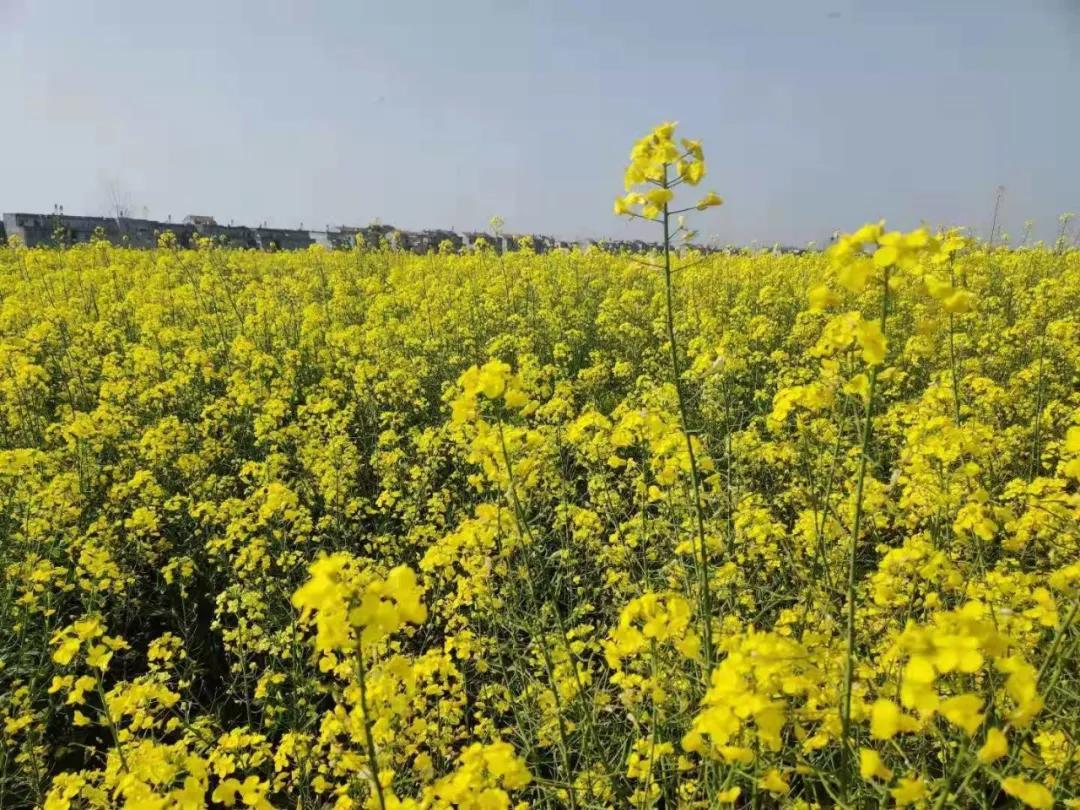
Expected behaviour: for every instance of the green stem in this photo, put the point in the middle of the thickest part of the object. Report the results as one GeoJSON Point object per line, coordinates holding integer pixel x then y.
{"type": "Point", "coordinates": [109, 720]}
{"type": "Point", "coordinates": [952, 353]}
{"type": "Point", "coordinates": [653, 731]}
{"type": "Point", "coordinates": [703, 561]}
{"type": "Point", "coordinates": [1036, 445]}
{"type": "Point", "coordinates": [849, 644]}
{"type": "Point", "coordinates": [368, 737]}
{"type": "Point", "coordinates": [545, 653]}
{"type": "Point", "coordinates": [943, 795]}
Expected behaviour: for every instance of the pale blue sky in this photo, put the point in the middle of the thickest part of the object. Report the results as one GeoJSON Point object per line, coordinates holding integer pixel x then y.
{"type": "Point", "coordinates": [814, 115]}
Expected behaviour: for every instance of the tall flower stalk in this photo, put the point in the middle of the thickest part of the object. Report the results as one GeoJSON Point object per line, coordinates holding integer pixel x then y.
{"type": "Point", "coordinates": [652, 161]}
{"type": "Point", "coordinates": [873, 253]}
{"type": "Point", "coordinates": [856, 528]}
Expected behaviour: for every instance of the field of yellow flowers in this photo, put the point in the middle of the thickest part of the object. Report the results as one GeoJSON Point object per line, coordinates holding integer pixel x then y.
{"type": "Point", "coordinates": [363, 529]}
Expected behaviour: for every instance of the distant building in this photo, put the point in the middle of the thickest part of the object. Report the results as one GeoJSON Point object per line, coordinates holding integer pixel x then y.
{"type": "Point", "coordinates": [343, 238]}
{"type": "Point", "coordinates": [51, 229]}
{"type": "Point", "coordinates": [282, 239]}
{"type": "Point", "coordinates": [59, 228]}
{"type": "Point", "coordinates": [230, 235]}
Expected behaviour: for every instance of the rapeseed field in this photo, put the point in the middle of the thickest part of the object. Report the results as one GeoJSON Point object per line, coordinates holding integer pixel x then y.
{"type": "Point", "coordinates": [365, 529]}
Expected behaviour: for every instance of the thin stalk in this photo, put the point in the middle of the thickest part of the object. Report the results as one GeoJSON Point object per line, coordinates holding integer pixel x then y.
{"type": "Point", "coordinates": [943, 795]}
{"type": "Point", "coordinates": [997, 207]}
{"type": "Point", "coordinates": [1036, 444]}
{"type": "Point", "coordinates": [952, 352]}
{"type": "Point", "coordinates": [955, 378]}
{"type": "Point", "coordinates": [703, 561]}
{"type": "Point", "coordinates": [368, 737]}
{"type": "Point", "coordinates": [730, 453]}
{"type": "Point", "coordinates": [112, 725]}
{"type": "Point", "coordinates": [545, 653]}
{"type": "Point", "coordinates": [849, 646]}
{"type": "Point", "coordinates": [654, 724]}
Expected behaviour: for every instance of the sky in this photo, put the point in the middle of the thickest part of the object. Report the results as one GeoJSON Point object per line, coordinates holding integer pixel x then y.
{"type": "Point", "coordinates": [815, 116]}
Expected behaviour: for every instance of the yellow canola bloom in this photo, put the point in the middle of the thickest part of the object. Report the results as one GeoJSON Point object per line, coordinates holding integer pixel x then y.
{"type": "Point", "coordinates": [964, 711]}
{"type": "Point", "coordinates": [871, 765]}
{"type": "Point", "coordinates": [773, 781]}
{"type": "Point", "coordinates": [352, 607]}
{"type": "Point", "coordinates": [652, 619]}
{"type": "Point", "coordinates": [871, 251]}
{"type": "Point", "coordinates": [909, 790]}
{"type": "Point", "coordinates": [887, 720]}
{"type": "Point", "coordinates": [821, 298]}
{"type": "Point", "coordinates": [995, 747]}
{"type": "Point", "coordinates": [709, 200]}
{"type": "Point", "coordinates": [659, 164]}
{"type": "Point", "coordinates": [484, 777]}
{"type": "Point", "coordinates": [1033, 794]}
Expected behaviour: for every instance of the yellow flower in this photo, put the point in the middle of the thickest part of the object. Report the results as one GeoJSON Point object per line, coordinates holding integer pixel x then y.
{"type": "Point", "coordinates": [492, 380]}
{"type": "Point", "coordinates": [709, 200]}
{"type": "Point", "coordinates": [665, 131]}
{"type": "Point", "coordinates": [886, 719]}
{"type": "Point", "coordinates": [821, 297]}
{"type": "Point", "coordinates": [692, 171]}
{"type": "Point", "coordinates": [1021, 686]}
{"type": "Point", "coordinates": [1032, 794]}
{"type": "Point", "coordinates": [995, 747]}
{"type": "Point", "coordinates": [68, 647]}
{"type": "Point", "coordinates": [693, 148]}
{"type": "Point", "coordinates": [774, 782]}
{"type": "Point", "coordinates": [650, 161]}
{"type": "Point", "coordinates": [655, 200]}
{"type": "Point", "coordinates": [963, 711]}
{"type": "Point", "coordinates": [869, 336]}
{"type": "Point", "coordinates": [871, 766]}
{"type": "Point", "coordinates": [87, 629]}
{"type": "Point", "coordinates": [1072, 440]}
{"type": "Point", "coordinates": [859, 385]}
{"type": "Point", "coordinates": [252, 792]}
{"type": "Point", "coordinates": [650, 619]}
{"type": "Point", "coordinates": [853, 274]}
{"type": "Point", "coordinates": [870, 232]}
{"type": "Point", "coordinates": [886, 256]}
{"type": "Point", "coordinates": [515, 398]}
{"type": "Point", "coordinates": [959, 302]}
{"type": "Point", "coordinates": [60, 682]}
{"type": "Point", "coordinates": [729, 796]}
{"type": "Point", "coordinates": [350, 607]}
{"type": "Point", "coordinates": [919, 670]}
{"type": "Point", "coordinates": [908, 791]}
{"type": "Point", "coordinates": [483, 778]}
{"type": "Point", "coordinates": [82, 685]}
{"type": "Point", "coordinates": [98, 657]}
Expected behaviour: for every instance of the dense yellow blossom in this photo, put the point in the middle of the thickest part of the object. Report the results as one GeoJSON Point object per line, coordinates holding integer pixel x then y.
{"type": "Point", "coordinates": [363, 529]}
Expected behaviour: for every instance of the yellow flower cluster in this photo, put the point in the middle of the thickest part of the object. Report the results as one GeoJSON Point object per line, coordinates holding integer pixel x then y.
{"type": "Point", "coordinates": [351, 607]}
{"type": "Point", "coordinates": [87, 636]}
{"type": "Point", "coordinates": [657, 161]}
{"type": "Point", "coordinates": [649, 620]}
{"type": "Point", "coordinates": [484, 775]}
{"type": "Point", "coordinates": [750, 698]}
